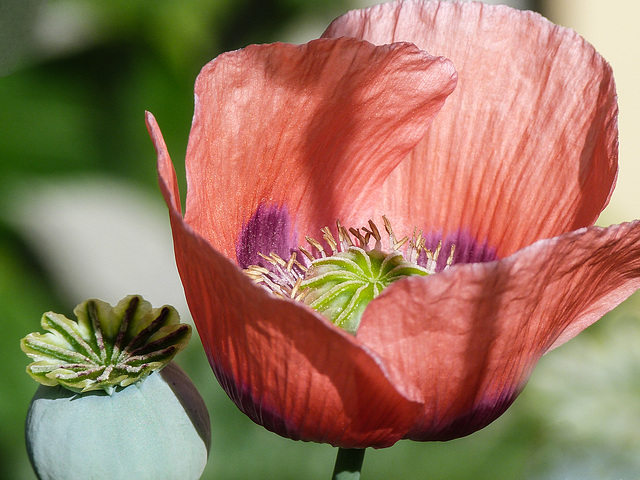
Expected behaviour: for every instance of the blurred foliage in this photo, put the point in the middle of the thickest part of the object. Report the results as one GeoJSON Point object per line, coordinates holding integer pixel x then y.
{"type": "Point", "coordinates": [74, 104]}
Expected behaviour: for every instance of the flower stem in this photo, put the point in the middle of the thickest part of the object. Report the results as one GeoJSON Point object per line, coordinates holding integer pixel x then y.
{"type": "Point", "coordinates": [348, 464]}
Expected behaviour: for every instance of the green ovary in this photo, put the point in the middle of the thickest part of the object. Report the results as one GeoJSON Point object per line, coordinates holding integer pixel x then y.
{"type": "Point", "coordinates": [341, 286]}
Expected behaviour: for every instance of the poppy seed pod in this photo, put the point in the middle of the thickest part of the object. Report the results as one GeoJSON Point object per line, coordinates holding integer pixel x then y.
{"type": "Point", "coordinates": [156, 429]}
{"type": "Point", "coordinates": [107, 406]}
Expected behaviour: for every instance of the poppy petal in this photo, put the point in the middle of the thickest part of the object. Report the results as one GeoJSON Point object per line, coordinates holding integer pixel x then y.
{"type": "Point", "coordinates": [313, 129]}
{"type": "Point", "coordinates": [479, 329]}
{"type": "Point", "coordinates": [526, 146]}
{"type": "Point", "coordinates": [283, 365]}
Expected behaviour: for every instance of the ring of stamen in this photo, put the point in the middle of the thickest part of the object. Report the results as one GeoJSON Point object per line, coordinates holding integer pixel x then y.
{"type": "Point", "coordinates": [340, 284]}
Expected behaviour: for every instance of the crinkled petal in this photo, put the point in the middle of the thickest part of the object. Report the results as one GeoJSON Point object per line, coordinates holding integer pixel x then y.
{"type": "Point", "coordinates": [283, 365]}
{"type": "Point", "coordinates": [526, 146]}
{"type": "Point", "coordinates": [468, 337]}
{"type": "Point", "coordinates": [311, 128]}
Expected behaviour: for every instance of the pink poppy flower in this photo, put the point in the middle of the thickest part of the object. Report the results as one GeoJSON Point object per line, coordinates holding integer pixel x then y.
{"type": "Point", "coordinates": [504, 144]}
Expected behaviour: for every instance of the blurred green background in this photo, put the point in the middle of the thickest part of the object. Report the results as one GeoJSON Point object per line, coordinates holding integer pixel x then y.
{"type": "Point", "coordinates": [81, 216]}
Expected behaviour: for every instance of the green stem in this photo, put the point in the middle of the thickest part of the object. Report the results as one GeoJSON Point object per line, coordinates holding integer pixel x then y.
{"type": "Point", "coordinates": [348, 464]}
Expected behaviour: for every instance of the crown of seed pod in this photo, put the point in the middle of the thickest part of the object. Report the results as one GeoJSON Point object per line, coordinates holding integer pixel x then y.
{"type": "Point", "coordinates": [103, 397]}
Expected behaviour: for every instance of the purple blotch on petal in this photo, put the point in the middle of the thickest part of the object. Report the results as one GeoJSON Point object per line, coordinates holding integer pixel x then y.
{"type": "Point", "coordinates": [258, 411]}
{"type": "Point", "coordinates": [467, 249]}
{"type": "Point", "coordinates": [478, 417]}
{"type": "Point", "coordinates": [268, 231]}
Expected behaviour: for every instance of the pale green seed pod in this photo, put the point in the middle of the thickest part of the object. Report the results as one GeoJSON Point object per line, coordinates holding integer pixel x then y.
{"type": "Point", "coordinates": [155, 429]}
{"type": "Point", "coordinates": [108, 407]}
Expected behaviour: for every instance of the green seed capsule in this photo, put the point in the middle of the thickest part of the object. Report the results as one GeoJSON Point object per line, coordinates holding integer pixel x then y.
{"type": "Point", "coordinates": [342, 285]}
{"type": "Point", "coordinates": [156, 429]}
{"type": "Point", "coordinates": [107, 406]}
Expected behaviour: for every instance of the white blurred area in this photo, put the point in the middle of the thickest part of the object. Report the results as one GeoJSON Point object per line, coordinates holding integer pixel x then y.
{"type": "Point", "coordinates": [99, 238]}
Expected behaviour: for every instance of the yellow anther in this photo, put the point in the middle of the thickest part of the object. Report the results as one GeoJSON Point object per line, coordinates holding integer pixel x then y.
{"type": "Point", "coordinates": [314, 243]}
{"type": "Point", "coordinates": [450, 258]}
{"type": "Point", "coordinates": [307, 254]}
{"type": "Point", "coordinates": [328, 237]}
{"type": "Point", "coordinates": [362, 239]}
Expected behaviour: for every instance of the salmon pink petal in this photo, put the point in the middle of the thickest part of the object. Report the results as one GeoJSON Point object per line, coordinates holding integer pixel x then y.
{"type": "Point", "coordinates": [283, 365]}
{"type": "Point", "coordinates": [469, 337]}
{"type": "Point", "coordinates": [312, 130]}
{"type": "Point", "coordinates": [526, 146]}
